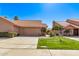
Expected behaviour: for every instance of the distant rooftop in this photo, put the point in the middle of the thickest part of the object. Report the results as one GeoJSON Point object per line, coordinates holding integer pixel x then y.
{"type": "Point", "coordinates": [63, 23]}
{"type": "Point", "coordinates": [73, 19]}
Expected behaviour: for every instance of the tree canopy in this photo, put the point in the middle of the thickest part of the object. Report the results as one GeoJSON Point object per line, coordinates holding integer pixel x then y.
{"type": "Point", "coordinates": [16, 18]}
{"type": "Point", "coordinates": [57, 28]}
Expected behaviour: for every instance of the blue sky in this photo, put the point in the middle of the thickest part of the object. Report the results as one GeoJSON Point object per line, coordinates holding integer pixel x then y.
{"type": "Point", "coordinates": [47, 12]}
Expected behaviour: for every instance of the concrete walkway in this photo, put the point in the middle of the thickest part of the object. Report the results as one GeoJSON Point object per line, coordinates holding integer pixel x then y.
{"type": "Point", "coordinates": [37, 52]}
{"type": "Point", "coordinates": [74, 38]}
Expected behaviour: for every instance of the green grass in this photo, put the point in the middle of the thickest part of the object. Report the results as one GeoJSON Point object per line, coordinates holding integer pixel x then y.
{"type": "Point", "coordinates": [58, 42]}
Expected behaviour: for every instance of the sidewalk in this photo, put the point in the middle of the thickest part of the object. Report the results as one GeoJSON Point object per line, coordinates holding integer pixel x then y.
{"type": "Point", "coordinates": [74, 38]}
{"type": "Point", "coordinates": [38, 52]}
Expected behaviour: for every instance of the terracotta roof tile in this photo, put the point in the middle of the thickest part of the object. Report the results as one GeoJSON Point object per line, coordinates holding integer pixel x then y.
{"type": "Point", "coordinates": [25, 23]}
{"type": "Point", "coordinates": [1, 17]}
{"type": "Point", "coordinates": [64, 24]}
{"type": "Point", "coordinates": [29, 23]}
{"type": "Point", "coordinates": [73, 19]}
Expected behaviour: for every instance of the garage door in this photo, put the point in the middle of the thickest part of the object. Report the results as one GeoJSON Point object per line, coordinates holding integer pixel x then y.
{"type": "Point", "coordinates": [31, 31]}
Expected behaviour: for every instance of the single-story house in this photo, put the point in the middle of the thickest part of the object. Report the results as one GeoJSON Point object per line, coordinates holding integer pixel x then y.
{"type": "Point", "coordinates": [22, 27]}
{"type": "Point", "coordinates": [72, 25]}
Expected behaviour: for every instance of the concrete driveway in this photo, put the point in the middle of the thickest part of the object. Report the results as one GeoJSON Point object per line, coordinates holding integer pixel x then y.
{"type": "Point", "coordinates": [19, 42]}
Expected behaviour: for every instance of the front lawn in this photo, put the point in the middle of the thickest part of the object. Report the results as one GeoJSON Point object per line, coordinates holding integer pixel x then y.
{"type": "Point", "coordinates": [57, 42]}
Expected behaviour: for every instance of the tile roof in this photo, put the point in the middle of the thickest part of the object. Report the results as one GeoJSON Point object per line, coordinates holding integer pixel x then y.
{"type": "Point", "coordinates": [73, 19]}
{"type": "Point", "coordinates": [3, 18]}
{"type": "Point", "coordinates": [65, 24]}
{"type": "Point", "coordinates": [74, 26]}
{"type": "Point", "coordinates": [29, 23]}
{"type": "Point", "coordinates": [25, 23]}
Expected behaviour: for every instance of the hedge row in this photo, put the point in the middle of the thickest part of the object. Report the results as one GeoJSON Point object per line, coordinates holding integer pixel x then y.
{"type": "Point", "coordinates": [8, 34]}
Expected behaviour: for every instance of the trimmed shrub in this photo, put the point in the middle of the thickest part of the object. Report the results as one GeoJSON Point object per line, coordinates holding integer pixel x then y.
{"type": "Point", "coordinates": [12, 34]}
{"type": "Point", "coordinates": [3, 34]}
{"type": "Point", "coordinates": [51, 34]}
{"type": "Point", "coordinates": [15, 34]}
{"type": "Point", "coordinates": [8, 34]}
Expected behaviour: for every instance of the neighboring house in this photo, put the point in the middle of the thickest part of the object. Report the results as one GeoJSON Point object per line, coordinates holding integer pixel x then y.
{"type": "Point", "coordinates": [22, 27]}
{"type": "Point", "coordinates": [71, 25]}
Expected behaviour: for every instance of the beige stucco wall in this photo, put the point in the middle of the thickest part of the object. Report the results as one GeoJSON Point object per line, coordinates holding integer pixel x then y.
{"type": "Point", "coordinates": [16, 29]}
{"type": "Point", "coordinates": [6, 26]}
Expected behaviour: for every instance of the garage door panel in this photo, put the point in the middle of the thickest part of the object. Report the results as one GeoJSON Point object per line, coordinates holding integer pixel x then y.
{"type": "Point", "coordinates": [31, 31]}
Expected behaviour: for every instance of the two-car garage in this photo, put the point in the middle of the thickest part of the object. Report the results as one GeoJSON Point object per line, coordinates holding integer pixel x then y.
{"type": "Point", "coordinates": [30, 31]}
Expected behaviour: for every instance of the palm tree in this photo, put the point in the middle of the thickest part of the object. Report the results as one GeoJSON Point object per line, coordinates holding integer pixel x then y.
{"type": "Point", "coordinates": [16, 18]}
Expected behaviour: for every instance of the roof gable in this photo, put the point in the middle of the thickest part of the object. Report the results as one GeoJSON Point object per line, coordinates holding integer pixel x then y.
{"type": "Point", "coordinates": [6, 21]}
{"type": "Point", "coordinates": [64, 24]}
{"type": "Point", "coordinates": [73, 21]}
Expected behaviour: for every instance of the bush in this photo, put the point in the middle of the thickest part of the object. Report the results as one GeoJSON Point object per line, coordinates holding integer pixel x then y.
{"type": "Point", "coordinates": [12, 34]}
{"type": "Point", "coordinates": [47, 32]}
{"type": "Point", "coordinates": [52, 34]}
{"type": "Point", "coordinates": [57, 34]}
{"type": "Point", "coordinates": [8, 34]}
{"type": "Point", "coordinates": [15, 34]}
{"type": "Point", "coordinates": [3, 34]}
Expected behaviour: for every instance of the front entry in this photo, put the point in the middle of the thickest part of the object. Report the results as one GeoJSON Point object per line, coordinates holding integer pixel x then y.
{"type": "Point", "coordinates": [75, 32]}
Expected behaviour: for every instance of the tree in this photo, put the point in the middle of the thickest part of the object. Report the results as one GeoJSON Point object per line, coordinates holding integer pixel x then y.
{"type": "Point", "coordinates": [47, 31]}
{"type": "Point", "coordinates": [5, 17]}
{"type": "Point", "coordinates": [43, 30]}
{"type": "Point", "coordinates": [58, 29]}
{"type": "Point", "coordinates": [16, 18]}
